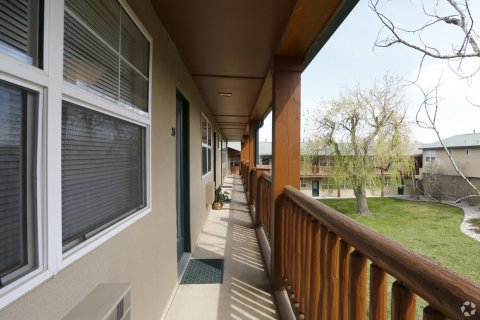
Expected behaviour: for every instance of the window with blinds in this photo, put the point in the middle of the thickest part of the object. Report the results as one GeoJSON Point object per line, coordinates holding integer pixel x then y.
{"type": "Point", "coordinates": [103, 172]}
{"type": "Point", "coordinates": [21, 30]}
{"type": "Point", "coordinates": [206, 146]}
{"type": "Point", "coordinates": [106, 53]}
{"type": "Point", "coordinates": [18, 254]}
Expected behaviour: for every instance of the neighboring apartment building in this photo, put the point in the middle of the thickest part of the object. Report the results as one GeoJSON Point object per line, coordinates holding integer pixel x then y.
{"type": "Point", "coordinates": [265, 153]}
{"type": "Point", "coordinates": [439, 177]}
{"type": "Point", "coordinates": [316, 179]}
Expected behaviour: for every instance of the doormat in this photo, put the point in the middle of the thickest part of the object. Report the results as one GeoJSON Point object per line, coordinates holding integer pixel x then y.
{"type": "Point", "coordinates": [201, 271]}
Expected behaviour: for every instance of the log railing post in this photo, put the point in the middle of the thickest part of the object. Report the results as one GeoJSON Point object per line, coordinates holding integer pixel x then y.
{"type": "Point", "coordinates": [333, 247]}
{"type": "Point", "coordinates": [258, 200]}
{"type": "Point", "coordinates": [403, 302]}
{"type": "Point", "coordinates": [278, 255]}
{"type": "Point", "coordinates": [253, 187]}
{"type": "Point", "coordinates": [430, 313]}
{"type": "Point", "coordinates": [323, 272]}
{"type": "Point", "coordinates": [298, 254]}
{"type": "Point", "coordinates": [307, 265]}
{"type": "Point", "coordinates": [344, 264]}
{"type": "Point", "coordinates": [378, 293]}
{"type": "Point", "coordinates": [259, 193]}
{"type": "Point", "coordinates": [358, 286]}
{"type": "Point", "coordinates": [314, 272]}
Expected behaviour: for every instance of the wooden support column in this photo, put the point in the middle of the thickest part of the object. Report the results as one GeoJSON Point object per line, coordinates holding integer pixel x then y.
{"type": "Point", "coordinates": [286, 144]}
{"type": "Point", "coordinates": [244, 156]}
{"type": "Point", "coordinates": [252, 143]}
{"type": "Point", "coordinates": [245, 149]}
{"type": "Point", "coordinates": [252, 136]}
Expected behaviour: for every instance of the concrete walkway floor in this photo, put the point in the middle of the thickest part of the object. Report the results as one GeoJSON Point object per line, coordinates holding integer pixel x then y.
{"type": "Point", "coordinates": [245, 292]}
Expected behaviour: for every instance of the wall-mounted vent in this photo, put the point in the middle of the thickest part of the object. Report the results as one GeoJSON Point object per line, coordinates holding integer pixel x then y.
{"type": "Point", "coordinates": [108, 301]}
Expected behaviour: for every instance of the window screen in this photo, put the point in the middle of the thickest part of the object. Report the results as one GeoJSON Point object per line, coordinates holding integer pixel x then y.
{"type": "Point", "coordinates": [105, 52]}
{"type": "Point", "coordinates": [21, 30]}
{"type": "Point", "coordinates": [17, 175]}
{"type": "Point", "coordinates": [103, 172]}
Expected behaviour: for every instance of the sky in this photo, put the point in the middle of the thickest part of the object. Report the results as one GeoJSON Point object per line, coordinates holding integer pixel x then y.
{"type": "Point", "coordinates": [349, 59]}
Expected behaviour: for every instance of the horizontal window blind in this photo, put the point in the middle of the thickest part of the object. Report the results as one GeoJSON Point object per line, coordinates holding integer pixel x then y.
{"type": "Point", "coordinates": [88, 62]}
{"type": "Point", "coordinates": [17, 210]}
{"type": "Point", "coordinates": [105, 52]}
{"type": "Point", "coordinates": [103, 171]}
{"type": "Point", "coordinates": [20, 29]}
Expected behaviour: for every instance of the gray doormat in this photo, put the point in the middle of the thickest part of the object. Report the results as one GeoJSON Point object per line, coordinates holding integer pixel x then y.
{"type": "Point", "coordinates": [203, 271]}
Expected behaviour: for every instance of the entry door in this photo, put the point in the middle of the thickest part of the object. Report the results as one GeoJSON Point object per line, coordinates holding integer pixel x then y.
{"type": "Point", "coordinates": [182, 179]}
{"type": "Point", "coordinates": [315, 189]}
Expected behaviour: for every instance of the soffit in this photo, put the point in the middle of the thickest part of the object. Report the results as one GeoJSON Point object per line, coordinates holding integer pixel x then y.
{"type": "Point", "coordinates": [229, 46]}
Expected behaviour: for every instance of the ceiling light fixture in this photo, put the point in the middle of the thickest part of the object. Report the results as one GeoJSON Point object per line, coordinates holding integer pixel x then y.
{"type": "Point", "coordinates": [225, 94]}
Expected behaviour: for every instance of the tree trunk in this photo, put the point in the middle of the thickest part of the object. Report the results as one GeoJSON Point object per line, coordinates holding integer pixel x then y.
{"type": "Point", "coordinates": [361, 197]}
{"type": "Point", "coordinates": [338, 192]}
{"type": "Point", "coordinates": [382, 194]}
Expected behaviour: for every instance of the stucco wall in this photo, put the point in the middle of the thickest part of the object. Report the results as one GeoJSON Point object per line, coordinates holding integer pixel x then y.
{"type": "Point", "coordinates": [467, 164]}
{"type": "Point", "coordinates": [344, 193]}
{"type": "Point", "coordinates": [145, 253]}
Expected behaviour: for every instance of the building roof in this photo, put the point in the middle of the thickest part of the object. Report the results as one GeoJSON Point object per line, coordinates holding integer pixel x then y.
{"type": "Point", "coordinates": [471, 140]}
{"type": "Point", "coordinates": [415, 149]}
{"type": "Point", "coordinates": [265, 149]}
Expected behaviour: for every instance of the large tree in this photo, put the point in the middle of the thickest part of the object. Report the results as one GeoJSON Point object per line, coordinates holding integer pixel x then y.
{"type": "Point", "coordinates": [460, 48]}
{"type": "Point", "coordinates": [365, 130]}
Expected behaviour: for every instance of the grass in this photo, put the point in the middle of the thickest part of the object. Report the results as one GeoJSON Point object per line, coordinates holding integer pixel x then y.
{"type": "Point", "coordinates": [430, 229]}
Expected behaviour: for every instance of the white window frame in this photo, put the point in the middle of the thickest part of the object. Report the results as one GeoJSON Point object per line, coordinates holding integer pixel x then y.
{"type": "Point", "coordinates": [430, 156]}
{"type": "Point", "coordinates": [51, 258]}
{"type": "Point", "coordinates": [303, 183]}
{"type": "Point", "coordinates": [90, 100]}
{"type": "Point", "coordinates": [43, 271]}
{"type": "Point", "coordinates": [206, 145]}
{"type": "Point", "coordinates": [468, 152]}
{"type": "Point", "coordinates": [387, 182]}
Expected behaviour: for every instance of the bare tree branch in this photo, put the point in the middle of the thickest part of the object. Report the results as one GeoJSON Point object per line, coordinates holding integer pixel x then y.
{"type": "Point", "coordinates": [462, 20]}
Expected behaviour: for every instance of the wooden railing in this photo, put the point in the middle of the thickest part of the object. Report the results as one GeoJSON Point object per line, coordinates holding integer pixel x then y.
{"type": "Point", "coordinates": [263, 209]}
{"type": "Point", "coordinates": [252, 199]}
{"type": "Point", "coordinates": [321, 257]}
{"type": "Point", "coordinates": [244, 173]}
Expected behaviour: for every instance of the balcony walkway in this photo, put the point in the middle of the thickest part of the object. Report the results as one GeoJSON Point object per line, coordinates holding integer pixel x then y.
{"type": "Point", "coordinates": [245, 292]}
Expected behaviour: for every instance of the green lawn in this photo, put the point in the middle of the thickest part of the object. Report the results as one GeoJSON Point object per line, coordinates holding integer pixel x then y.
{"type": "Point", "coordinates": [431, 229]}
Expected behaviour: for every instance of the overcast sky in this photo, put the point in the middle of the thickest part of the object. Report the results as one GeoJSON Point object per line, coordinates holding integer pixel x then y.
{"type": "Point", "coordinates": [348, 59]}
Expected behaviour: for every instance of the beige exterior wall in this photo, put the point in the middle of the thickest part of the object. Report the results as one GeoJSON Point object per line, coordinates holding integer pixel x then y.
{"type": "Point", "coordinates": [467, 164]}
{"type": "Point", "coordinates": [344, 193]}
{"type": "Point", "coordinates": [144, 254]}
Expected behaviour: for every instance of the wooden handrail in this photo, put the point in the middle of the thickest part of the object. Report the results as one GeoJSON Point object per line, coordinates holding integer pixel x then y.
{"type": "Point", "coordinates": [443, 289]}
{"type": "Point", "coordinates": [263, 206]}
{"type": "Point", "coordinates": [267, 177]}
